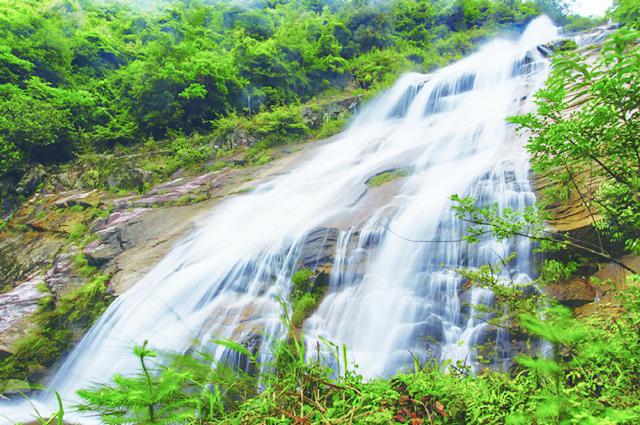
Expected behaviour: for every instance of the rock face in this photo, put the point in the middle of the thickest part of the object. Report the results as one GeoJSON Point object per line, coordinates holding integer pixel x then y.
{"type": "Point", "coordinates": [571, 215]}
{"type": "Point", "coordinates": [21, 301]}
{"type": "Point", "coordinates": [31, 180]}
{"type": "Point", "coordinates": [24, 253]}
{"type": "Point", "coordinates": [51, 244]}
{"type": "Point", "coordinates": [596, 294]}
{"type": "Point", "coordinates": [313, 117]}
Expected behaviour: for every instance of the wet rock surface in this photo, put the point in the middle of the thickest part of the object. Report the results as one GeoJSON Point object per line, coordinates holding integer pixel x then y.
{"type": "Point", "coordinates": [15, 305]}
{"type": "Point", "coordinates": [130, 233]}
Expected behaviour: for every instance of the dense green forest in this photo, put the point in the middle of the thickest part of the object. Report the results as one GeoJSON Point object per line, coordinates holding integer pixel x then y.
{"type": "Point", "coordinates": [83, 76]}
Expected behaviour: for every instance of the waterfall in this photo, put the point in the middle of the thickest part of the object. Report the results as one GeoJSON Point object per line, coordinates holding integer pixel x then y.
{"type": "Point", "coordinates": [389, 298]}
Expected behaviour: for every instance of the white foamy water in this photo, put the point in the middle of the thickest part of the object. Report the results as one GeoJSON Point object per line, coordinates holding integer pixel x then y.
{"type": "Point", "coordinates": [387, 297]}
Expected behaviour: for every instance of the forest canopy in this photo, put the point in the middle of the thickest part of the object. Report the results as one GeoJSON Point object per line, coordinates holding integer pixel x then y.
{"type": "Point", "coordinates": [80, 76]}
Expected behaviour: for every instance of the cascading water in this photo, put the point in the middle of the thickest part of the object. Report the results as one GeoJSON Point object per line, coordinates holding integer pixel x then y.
{"type": "Point", "coordinates": [388, 297]}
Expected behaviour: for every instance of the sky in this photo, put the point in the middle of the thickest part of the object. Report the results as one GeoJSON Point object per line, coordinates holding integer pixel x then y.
{"type": "Point", "coordinates": [591, 7]}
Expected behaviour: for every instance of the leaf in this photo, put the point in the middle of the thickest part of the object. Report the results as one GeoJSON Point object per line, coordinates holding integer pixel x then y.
{"type": "Point", "coordinates": [239, 348]}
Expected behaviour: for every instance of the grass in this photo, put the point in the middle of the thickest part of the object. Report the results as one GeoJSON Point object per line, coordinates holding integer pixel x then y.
{"type": "Point", "coordinates": [245, 190]}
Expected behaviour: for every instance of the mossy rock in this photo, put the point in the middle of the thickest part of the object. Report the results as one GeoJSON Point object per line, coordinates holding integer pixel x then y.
{"type": "Point", "coordinates": [387, 176]}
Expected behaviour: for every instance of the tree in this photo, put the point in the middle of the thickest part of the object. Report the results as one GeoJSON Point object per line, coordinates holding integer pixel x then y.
{"type": "Point", "coordinates": [627, 12]}
{"type": "Point", "coordinates": [599, 137]}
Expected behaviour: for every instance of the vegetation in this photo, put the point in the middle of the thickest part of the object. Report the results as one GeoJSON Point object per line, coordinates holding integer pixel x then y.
{"type": "Point", "coordinates": [387, 176]}
{"type": "Point", "coordinates": [80, 77]}
{"type": "Point", "coordinates": [579, 386]}
{"type": "Point", "coordinates": [56, 324]}
{"type": "Point", "coordinates": [305, 296]}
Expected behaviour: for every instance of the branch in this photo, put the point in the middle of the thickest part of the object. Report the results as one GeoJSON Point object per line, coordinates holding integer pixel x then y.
{"type": "Point", "coordinates": [567, 241]}
{"type": "Point", "coordinates": [423, 241]}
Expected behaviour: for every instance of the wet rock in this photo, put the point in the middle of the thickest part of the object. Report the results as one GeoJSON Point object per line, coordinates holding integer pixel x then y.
{"type": "Point", "coordinates": [318, 248]}
{"type": "Point", "coordinates": [573, 293]}
{"type": "Point", "coordinates": [30, 181]}
{"type": "Point", "coordinates": [606, 283]}
{"type": "Point", "coordinates": [16, 305]}
{"type": "Point", "coordinates": [429, 331]}
{"type": "Point", "coordinates": [61, 278]}
{"type": "Point", "coordinates": [99, 253]}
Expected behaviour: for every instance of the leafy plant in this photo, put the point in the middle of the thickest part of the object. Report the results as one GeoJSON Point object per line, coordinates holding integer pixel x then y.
{"type": "Point", "coordinates": [599, 137]}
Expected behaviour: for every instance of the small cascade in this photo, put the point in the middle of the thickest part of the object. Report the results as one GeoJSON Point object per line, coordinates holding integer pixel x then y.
{"type": "Point", "coordinates": [389, 297]}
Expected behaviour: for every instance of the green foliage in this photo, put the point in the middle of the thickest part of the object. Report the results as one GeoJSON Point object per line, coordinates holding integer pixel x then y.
{"type": "Point", "coordinates": [627, 12]}
{"type": "Point", "coordinates": [145, 399]}
{"type": "Point", "coordinates": [510, 300]}
{"type": "Point", "coordinates": [300, 278]}
{"type": "Point", "coordinates": [79, 78]}
{"type": "Point", "coordinates": [600, 136]}
{"type": "Point", "coordinates": [78, 232]}
{"type": "Point", "coordinates": [330, 128]}
{"type": "Point", "coordinates": [305, 296]}
{"type": "Point", "coordinates": [590, 379]}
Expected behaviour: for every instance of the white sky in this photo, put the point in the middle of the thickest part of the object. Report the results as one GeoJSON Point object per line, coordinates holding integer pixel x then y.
{"type": "Point", "coordinates": [591, 7]}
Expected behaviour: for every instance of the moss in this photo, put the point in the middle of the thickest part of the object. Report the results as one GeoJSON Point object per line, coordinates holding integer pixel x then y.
{"type": "Point", "coordinates": [305, 297]}
{"type": "Point", "coordinates": [300, 278]}
{"type": "Point", "coordinates": [200, 198]}
{"type": "Point", "coordinates": [245, 190]}
{"type": "Point", "coordinates": [388, 176]}
{"type": "Point", "coordinates": [56, 326]}
{"type": "Point", "coordinates": [184, 200]}
{"type": "Point", "coordinates": [264, 158]}
{"type": "Point", "coordinates": [331, 127]}
{"type": "Point", "coordinates": [82, 267]}
{"type": "Point", "coordinates": [566, 45]}
{"type": "Point", "coordinates": [79, 232]}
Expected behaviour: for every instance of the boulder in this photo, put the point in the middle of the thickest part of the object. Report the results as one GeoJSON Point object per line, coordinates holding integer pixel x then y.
{"type": "Point", "coordinates": [30, 181]}
{"type": "Point", "coordinates": [573, 293]}
{"type": "Point", "coordinates": [318, 248]}
{"type": "Point", "coordinates": [134, 178]}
